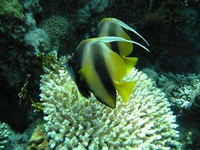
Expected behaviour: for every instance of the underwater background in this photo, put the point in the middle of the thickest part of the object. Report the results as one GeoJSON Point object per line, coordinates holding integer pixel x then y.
{"type": "Point", "coordinates": [40, 106]}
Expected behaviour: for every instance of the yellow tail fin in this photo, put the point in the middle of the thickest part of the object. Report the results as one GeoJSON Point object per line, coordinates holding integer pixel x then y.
{"type": "Point", "coordinates": [124, 89]}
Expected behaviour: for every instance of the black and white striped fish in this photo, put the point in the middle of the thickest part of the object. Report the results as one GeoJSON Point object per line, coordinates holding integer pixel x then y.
{"type": "Point", "coordinates": [99, 70]}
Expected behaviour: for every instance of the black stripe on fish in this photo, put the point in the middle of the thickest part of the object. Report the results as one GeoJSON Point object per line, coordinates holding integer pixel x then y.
{"type": "Point", "coordinates": [103, 73]}
{"type": "Point", "coordinates": [112, 32]}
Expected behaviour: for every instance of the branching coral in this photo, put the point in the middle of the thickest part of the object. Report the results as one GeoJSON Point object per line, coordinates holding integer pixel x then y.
{"type": "Point", "coordinates": [74, 122]}
{"type": "Point", "coordinates": [4, 134]}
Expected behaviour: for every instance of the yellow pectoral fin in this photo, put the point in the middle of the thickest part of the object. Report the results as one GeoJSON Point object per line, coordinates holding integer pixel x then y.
{"type": "Point", "coordinates": [130, 62]}
{"type": "Point", "coordinates": [124, 89]}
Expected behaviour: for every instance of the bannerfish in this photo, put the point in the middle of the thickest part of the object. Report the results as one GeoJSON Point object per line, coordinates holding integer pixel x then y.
{"type": "Point", "coordinates": [99, 70]}
{"type": "Point", "coordinates": [114, 27]}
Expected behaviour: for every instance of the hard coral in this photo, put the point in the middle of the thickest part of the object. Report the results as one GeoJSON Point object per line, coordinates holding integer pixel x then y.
{"type": "Point", "coordinates": [74, 122]}
{"type": "Point", "coordinates": [4, 135]}
{"type": "Point", "coordinates": [181, 90]}
{"type": "Point", "coordinates": [11, 7]}
{"type": "Point", "coordinates": [58, 29]}
{"type": "Point", "coordinates": [38, 39]}
{"type": "Point", "coordinates": [90, 8]}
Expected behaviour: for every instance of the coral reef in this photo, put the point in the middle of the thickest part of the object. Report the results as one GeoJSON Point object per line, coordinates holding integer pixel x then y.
{"type": "Point", "coordinates": [15, 20]}
{"type": "Point", "coordinates": [9, 139]}
{"type": "Point", "coordinates": [183, 93]}
{"type": "Point", "coordinates": [4, 135]}
{"type": "Point", "coordinates": [38, 39]}
{"type": "Point", "coordinates": [31, 29]}
{"type": "Point", "coordinates": [32, 6]}
{"type": "Point", "coordinates": [58, 29]}
{"type": "Point", "coordinates": [11, 7]}
{"type": "Point", "coordinates": [190, 122]}
{"type": "Point", "coordinates": [92, 7]}
{"type": "Point", "coordinates": [72, 121]}
{"type": "Point", "coordinates": [181, 90]}
{"type": "Point", "coordinates": [11, 17]}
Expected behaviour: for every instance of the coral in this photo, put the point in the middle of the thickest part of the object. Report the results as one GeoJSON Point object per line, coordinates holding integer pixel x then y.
{"type": "Point", "coordinates": [83, 16]}
{"type": "Point", "coordinates": [92, 7]}
{"type": "Point", "coordinates": [98, 6]}
{"type": "Point", "coordinates": [18, 141]}
{"type": "Point", "coordinates": [38, 39]}
{"type": "Point", "coordinates": [30, 21]}
{"type": "Point", "coordinates": [181, 90]}
{"type": "Point", "coordinates": [11, 18]}
{"type": "Point", "coordinates": [151, 74]}
{"type": "Point", "coordinates": [74, 122]}
{"type": "Point", "coordinates": [4, 135]}
{"type": "Point", "coordinates": [11, 7]}
{"type": "Point", "coordinates": [58, 29]}
{"type": "Point", "coordinates": [10, 140]}
{"type": "Point", "coordinates": [32, 6]}
{"type": "Point", "coordinates": [38, 140]}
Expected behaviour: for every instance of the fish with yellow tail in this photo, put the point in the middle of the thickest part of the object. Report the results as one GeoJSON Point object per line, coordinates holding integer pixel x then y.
{"type": "Point", "coordinates": [115, 27]}
{"type": "Point", "coordinates": [99, 70]}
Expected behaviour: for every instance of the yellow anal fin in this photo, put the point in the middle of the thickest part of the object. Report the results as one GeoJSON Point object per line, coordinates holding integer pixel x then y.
{"type": "Point", "coordinates": [124, 89]}
{"type": "Point", "coordinates": [130, 63]}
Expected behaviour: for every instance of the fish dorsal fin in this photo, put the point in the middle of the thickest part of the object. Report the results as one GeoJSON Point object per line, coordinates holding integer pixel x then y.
{"type": "Point", "coordinates": [122, 24]}
{"type": "Point", "coordinates": [121, 31]}
{"type": "Point", "coordinates": [110, 27]}
{"type": "Point", "coordinates": [108, 39]}
{"type": "Point", "coordinates": [130, 63]}
{"type": "Point", "coordinates": [124, 89]}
